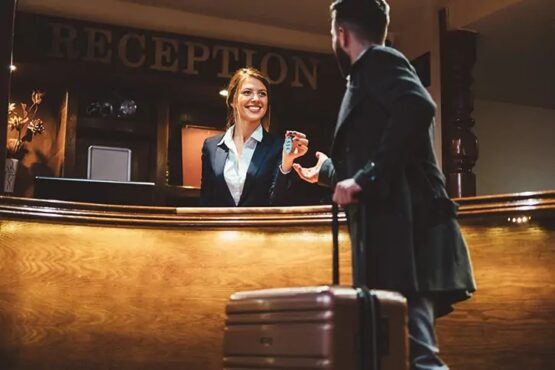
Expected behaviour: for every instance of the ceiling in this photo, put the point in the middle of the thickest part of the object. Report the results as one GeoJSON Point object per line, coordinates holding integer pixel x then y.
{"type": "Point", "coordinates": [516, 55]}
{"type": "Point", "coordinates": [516, 46]}
{"type": "Point", "coordinates": [301, 15]}
{"type": "Point", "coordinates": [304, 15]}
{"type": "Point", "coordinates": [294, 24]}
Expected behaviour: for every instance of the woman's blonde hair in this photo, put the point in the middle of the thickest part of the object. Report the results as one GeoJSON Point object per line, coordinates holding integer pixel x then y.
{"type": "Point", "coordinates": [233, 89]}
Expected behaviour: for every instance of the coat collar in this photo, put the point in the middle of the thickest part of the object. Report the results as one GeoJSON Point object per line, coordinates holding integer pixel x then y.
{"type": "Point", "coordinates": [222, 151]}
{"type": "Point", "coordinates": [227, 139]}
{"type": "Point", "coordinates": [226, 143]}
{"type": "Point", "coordinates": [354, 93]}
{"type": "Point", "coordinates": [218, 165]}
{"type": "Point", "coordinates": [262, 150]}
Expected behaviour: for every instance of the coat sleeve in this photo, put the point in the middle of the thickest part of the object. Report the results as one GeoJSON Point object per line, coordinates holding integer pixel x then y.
{"type": "Point", "coordinates": [393, 82]}
{"type": "Point", "coordinates": [281, 183]}
{"type": "Point", "coordinates": [207, 178]}
{"type": "Point", "coordinates": [326, 176]}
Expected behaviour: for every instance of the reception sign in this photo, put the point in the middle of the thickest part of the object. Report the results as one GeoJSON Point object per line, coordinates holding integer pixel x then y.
{"type": "Point", "coordinates": [78, 41]}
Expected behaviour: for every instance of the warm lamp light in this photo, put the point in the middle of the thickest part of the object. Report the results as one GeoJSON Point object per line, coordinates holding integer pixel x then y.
{"type": "Point", "coordinates": [519, 220]}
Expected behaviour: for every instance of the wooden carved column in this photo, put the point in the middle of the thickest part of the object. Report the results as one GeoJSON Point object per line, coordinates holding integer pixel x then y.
{"type": "Point", "coordinates": [7, 20]}
{"type": "Point", "coordinates": [460, 145]}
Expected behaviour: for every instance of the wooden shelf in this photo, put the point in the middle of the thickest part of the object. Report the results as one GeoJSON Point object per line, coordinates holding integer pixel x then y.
{"type": "Point", "coordinates": [140, 128]}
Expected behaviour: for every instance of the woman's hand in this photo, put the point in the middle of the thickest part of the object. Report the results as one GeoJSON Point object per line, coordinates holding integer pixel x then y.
{"type": "Point", "coordinates": [297, 148]}
{"type": "Point", "coordinates": [311, 174]}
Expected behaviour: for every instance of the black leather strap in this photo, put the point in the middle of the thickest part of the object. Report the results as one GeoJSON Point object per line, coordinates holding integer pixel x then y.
{"type": "Point", "coordinates": [335, 237]}
{"type": "Point", "coordinates": [369, 354]}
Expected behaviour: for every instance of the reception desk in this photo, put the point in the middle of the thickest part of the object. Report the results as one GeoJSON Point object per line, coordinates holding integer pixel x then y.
{"type": "Point", "coordinates": [89, 286]}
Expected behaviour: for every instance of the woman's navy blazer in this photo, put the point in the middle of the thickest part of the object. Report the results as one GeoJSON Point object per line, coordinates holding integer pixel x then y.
{"type": "Point", "coordinates": [265, 184]}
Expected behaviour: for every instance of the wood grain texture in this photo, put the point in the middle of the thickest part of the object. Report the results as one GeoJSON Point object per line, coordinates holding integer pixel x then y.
{"type": "Point", "coordinates": [89, 297]}
{"type": "Point", "coordinates": [103, 287]}
{"type": "Point", "coordinates": [510, 322]}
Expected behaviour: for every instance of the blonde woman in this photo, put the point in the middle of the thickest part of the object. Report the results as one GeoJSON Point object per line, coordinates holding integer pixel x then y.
{"type": "Point", "coordinates": [247, 166]}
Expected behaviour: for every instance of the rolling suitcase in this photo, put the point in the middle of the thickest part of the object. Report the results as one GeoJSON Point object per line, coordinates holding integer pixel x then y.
{"type": "Point", "coordinates": [323, 327]}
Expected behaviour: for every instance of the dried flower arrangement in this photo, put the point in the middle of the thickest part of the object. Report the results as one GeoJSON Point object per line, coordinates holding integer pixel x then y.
{"type": "Point", "coordinates": [22, 118]}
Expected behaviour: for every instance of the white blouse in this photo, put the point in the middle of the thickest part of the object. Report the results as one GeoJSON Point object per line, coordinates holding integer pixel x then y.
{"type": "Point", "coordinates": [235, 169]}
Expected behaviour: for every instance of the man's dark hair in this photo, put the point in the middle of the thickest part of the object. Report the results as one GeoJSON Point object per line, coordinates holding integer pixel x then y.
{"type": "Point", "coordinates": [368, 19]}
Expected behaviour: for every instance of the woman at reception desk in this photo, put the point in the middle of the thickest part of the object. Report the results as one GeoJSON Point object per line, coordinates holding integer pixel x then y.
{"type": "Point", "coordinates": [247, 166]}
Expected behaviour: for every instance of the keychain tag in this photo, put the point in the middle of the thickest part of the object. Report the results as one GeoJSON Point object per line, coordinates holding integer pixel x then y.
{"type": "Point", "coordinates": [288, 145]}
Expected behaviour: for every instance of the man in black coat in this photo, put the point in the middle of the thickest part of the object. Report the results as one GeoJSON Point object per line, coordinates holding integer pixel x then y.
{"type": "Point", "coordinates": [383, 170]}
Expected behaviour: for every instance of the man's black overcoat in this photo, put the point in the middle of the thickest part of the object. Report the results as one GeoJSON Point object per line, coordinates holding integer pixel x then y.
{"type": "Point", "coordinates": [405, 221]}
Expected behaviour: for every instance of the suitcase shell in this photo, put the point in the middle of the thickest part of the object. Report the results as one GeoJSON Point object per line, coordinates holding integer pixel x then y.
{"type": "Point", "coordinates": [312, 328]}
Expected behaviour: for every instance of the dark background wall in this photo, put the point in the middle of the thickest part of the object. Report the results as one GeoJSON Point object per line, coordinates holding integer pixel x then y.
{"type": "Point", "coordinates": [61, 68]}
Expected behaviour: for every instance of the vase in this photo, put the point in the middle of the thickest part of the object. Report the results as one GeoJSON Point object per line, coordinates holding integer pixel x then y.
{"type": "Point", "coordinates": [9, 174]}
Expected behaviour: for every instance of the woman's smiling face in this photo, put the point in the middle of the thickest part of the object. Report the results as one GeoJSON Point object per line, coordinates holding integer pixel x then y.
{"type": "Point", "coordinates": [251, 101]}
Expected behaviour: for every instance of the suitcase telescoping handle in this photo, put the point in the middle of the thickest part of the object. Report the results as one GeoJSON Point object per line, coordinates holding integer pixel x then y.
{"type": "Point", "coordinates": [335, 239]}
{"type": "Point", "coordinates": [368, 314]}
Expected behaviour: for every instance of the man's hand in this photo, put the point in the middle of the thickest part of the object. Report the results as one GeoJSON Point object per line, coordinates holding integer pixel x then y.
{"type": "Point", "coordinates": [311, 174]}
{"type": "Point", "coordinates": [345, 192]}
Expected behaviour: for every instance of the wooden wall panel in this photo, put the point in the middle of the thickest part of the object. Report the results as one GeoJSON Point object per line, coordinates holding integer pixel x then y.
{"type": "Point", "coordinates": [510, 322]}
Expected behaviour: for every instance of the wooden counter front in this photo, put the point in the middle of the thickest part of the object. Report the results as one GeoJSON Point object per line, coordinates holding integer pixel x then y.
{"type": "Point", "coordinates": [95, 287]}
{"type": "Point", "coordinates": [85, 286]}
